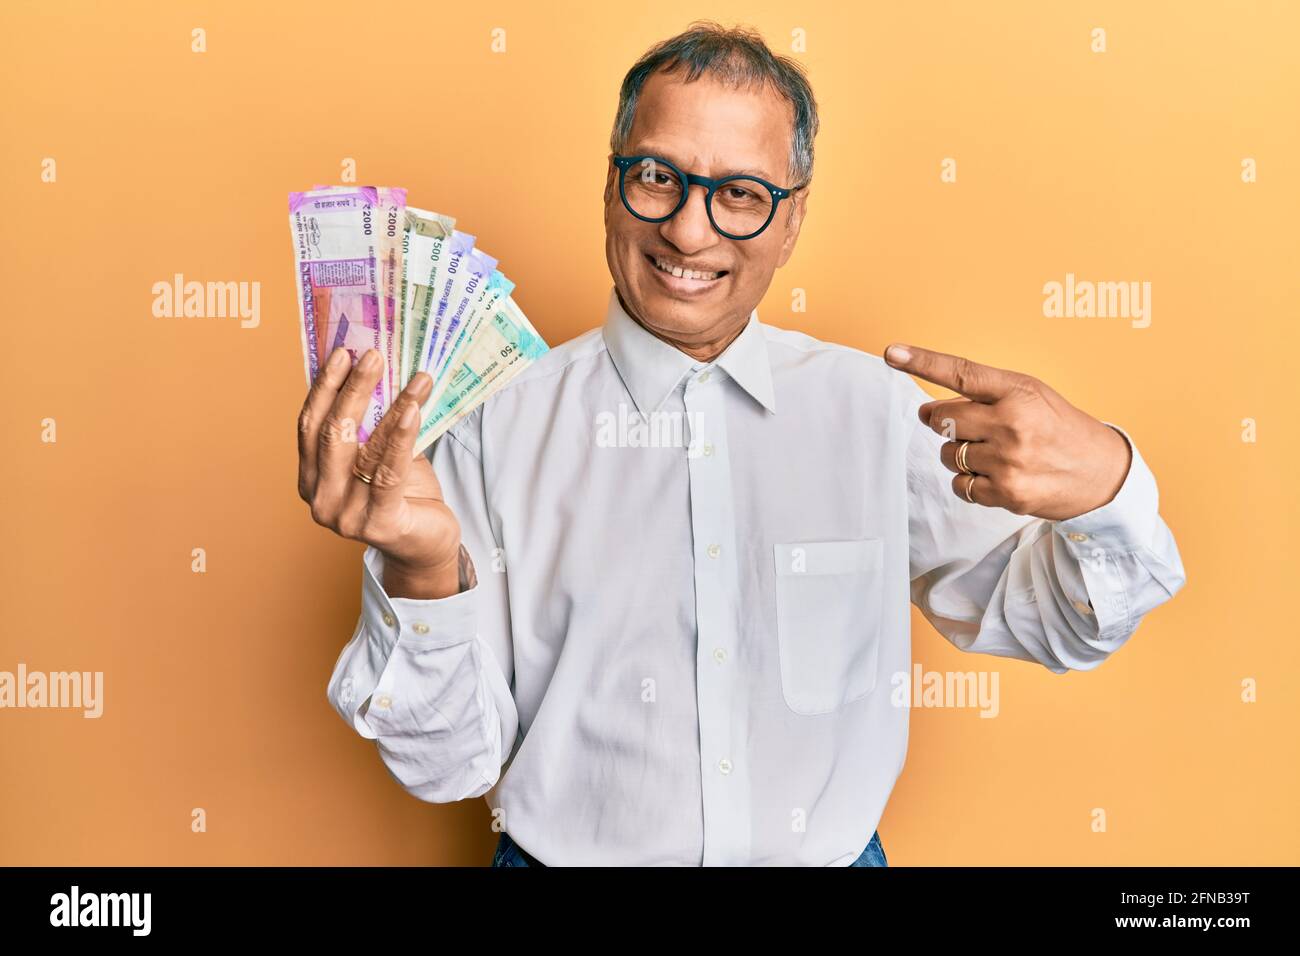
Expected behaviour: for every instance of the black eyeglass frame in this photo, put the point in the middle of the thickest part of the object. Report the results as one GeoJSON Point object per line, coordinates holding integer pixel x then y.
{"type": "Point", "coordinates": [711, 186]}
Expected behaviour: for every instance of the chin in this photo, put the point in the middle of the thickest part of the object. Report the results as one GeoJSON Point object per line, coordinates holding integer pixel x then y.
{"type": "Point", "coordinates": [678, 305]}
{"type": "Point", "coordinates": [673, 316]}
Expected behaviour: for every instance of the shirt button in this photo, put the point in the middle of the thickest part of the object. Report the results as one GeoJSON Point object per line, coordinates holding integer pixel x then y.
{"type": "Point", "coordinates": [708, 448]}
{"type": "Point", "coordinates": [704, 377]}
{"type": "Point", "coordinates": [1077, 536]}
{"type": "Point", "coordinates": [719, 655]}
{"type": "Point", "coordinates": [714, 550]}
{"type": "Point", "coordinates": [420, 627]}
{"type": "Point", "coordinates": [1082, 607]}
{"type": "Point", "coordinates": [383, 702]}
{"type": "Point", "coordinates": [724, 766]}
{"type": "Point", "coordinates": [388, 619]}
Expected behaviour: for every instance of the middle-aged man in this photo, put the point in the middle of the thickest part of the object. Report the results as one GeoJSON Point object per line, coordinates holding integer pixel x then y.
{"type": "Point", "coordinates": [650, 651]}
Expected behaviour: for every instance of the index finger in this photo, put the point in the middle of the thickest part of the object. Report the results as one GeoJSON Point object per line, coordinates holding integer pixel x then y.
{"type": "Point", "coordinates": [979, 383]}
{"type": "Point", "coordinates": [320, 398]}
{"type": "Point", "coordinates": [387, 456]}
{"type": "Point", "coordinates": [389, 431]}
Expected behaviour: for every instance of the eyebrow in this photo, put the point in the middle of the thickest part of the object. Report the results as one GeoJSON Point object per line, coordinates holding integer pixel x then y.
{"type": "Point", "coordinates": [651, 149]}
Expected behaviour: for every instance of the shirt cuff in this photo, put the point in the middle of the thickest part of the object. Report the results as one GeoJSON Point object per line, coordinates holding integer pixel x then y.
{"type": "Point", "coordinates": [437, 622]}
{"type": "Point", "coordinates": [1123, 524]}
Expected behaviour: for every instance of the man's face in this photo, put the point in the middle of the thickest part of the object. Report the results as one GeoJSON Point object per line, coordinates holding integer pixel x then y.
{"type": "Point", "coordinates": [708, 128]}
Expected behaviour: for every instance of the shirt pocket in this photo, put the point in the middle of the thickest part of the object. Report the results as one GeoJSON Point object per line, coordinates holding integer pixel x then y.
{"type": "Point", "coordinates": [828, 610]}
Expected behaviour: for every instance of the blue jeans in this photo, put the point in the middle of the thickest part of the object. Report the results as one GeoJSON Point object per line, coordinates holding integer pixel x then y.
{"type": "Point", "coordinates": [508, 853]}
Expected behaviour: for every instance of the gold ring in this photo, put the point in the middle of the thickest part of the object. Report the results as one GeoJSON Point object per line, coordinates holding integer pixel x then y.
{"type": "Point", "coordinates": [968, 488]}
{"type": "Point", "coordinates": [961, 459]}
{"type": "Point", "coordinates": [362, 475]}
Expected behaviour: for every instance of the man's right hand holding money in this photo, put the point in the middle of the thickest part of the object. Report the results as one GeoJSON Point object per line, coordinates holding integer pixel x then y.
{"type": "Point", "coordinates": [376, 492]}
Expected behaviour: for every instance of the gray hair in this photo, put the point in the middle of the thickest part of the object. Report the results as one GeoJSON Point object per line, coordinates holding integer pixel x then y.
{"type": "Point", "coordinates": [739, 57]}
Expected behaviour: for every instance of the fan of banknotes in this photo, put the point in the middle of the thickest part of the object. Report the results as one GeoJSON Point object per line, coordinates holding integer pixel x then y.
{"type": "Point", "coordinates": [375, 273]}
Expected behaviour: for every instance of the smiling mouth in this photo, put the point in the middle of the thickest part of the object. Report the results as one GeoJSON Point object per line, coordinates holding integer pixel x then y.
{"type": "Point", "coordinates": [665, 266]}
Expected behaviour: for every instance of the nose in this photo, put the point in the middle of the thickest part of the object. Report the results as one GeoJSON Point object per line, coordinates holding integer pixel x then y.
{"type": "Point", "coordinates": [690, 230]}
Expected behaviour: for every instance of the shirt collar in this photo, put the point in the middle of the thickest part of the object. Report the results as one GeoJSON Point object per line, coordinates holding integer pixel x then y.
{"type": "Point", "coordinates": [651, 368]}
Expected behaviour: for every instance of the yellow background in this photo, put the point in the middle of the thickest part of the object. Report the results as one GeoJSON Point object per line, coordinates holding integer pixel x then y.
{"type": "Point", "coordinates": [176, 434]}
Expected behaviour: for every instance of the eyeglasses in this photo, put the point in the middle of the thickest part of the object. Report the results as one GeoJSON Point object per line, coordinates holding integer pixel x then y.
{"type": "Point", "coordinates": [654, 190]}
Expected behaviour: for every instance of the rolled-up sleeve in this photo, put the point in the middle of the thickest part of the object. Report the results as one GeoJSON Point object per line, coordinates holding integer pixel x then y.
{"type": "Point", "coordinates": [1065, 594]}
{"type": "Point", "coordinates": [429, 680]}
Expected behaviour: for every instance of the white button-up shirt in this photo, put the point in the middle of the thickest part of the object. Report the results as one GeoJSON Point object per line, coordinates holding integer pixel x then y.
{"type": "Point", "coordinates": [692, 597]}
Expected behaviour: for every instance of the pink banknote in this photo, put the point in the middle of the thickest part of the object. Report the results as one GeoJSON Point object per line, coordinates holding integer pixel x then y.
{"type": "Point", "coordinates": [336, 236]}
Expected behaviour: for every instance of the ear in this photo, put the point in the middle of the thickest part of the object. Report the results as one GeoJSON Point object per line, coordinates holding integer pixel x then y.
{"type": "Point", "coordinates": [793, 223]}
{"type": "Point", "coordinates": [610, 186]}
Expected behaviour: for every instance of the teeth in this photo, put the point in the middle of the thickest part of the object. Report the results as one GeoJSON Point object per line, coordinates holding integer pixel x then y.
{"type": "Point", "coordinates": [665, 266]}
